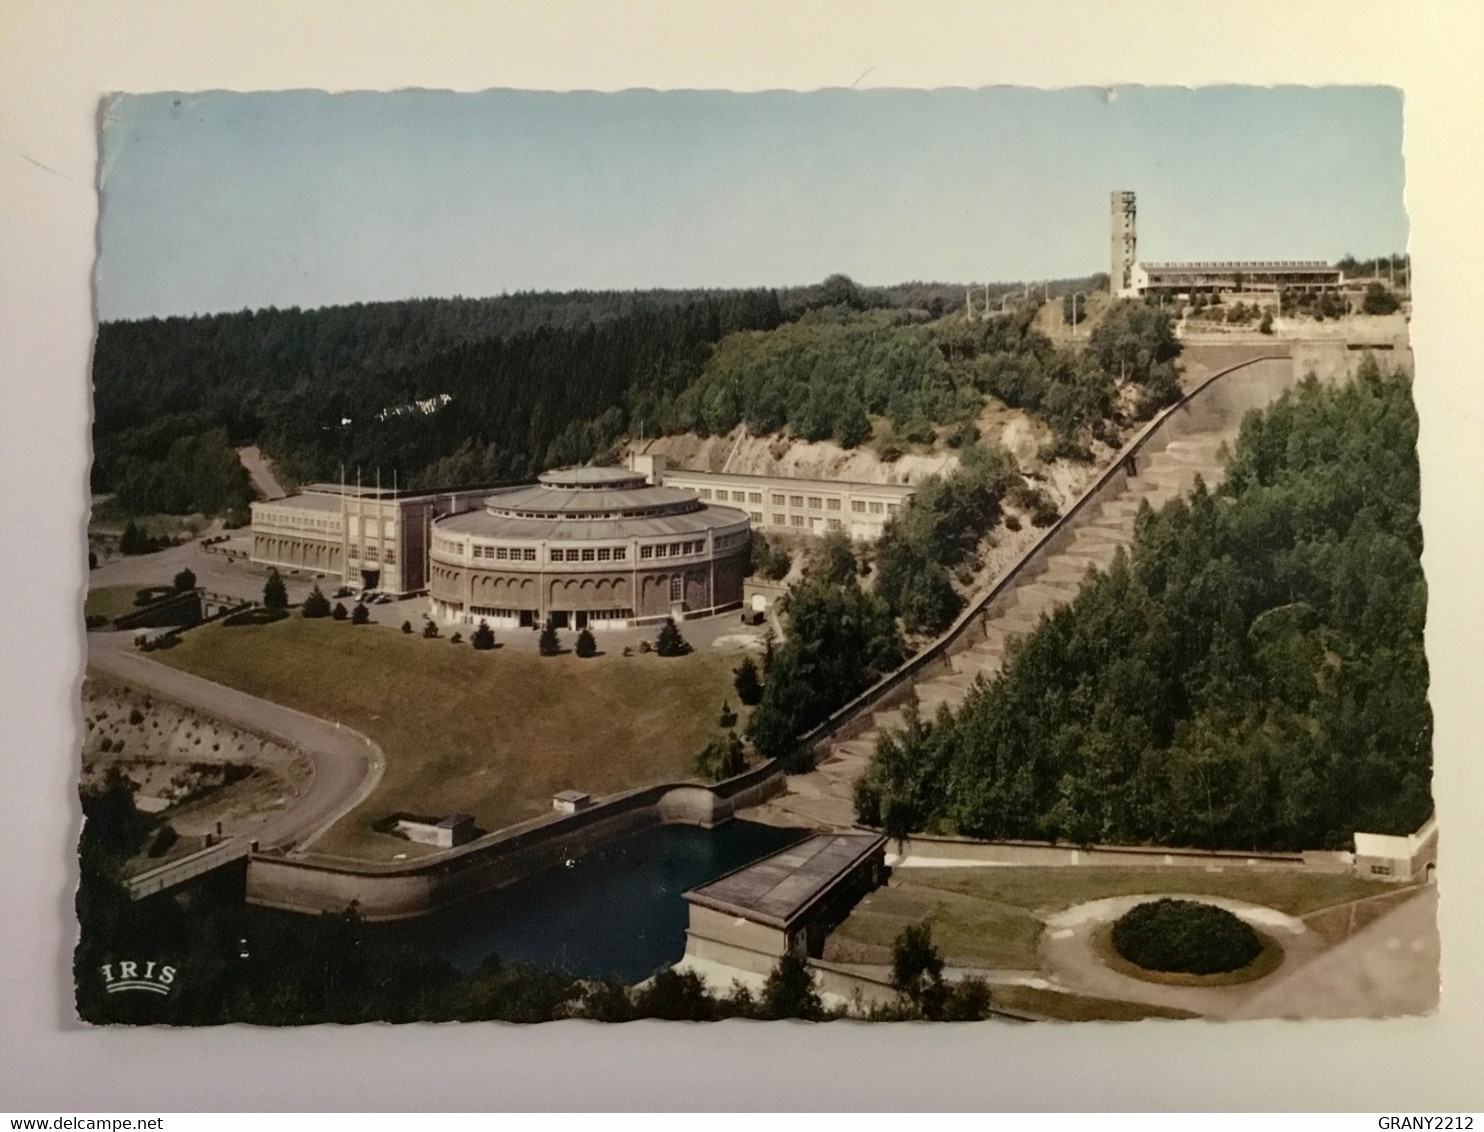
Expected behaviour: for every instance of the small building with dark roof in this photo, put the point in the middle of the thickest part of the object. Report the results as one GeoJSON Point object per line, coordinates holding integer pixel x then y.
{"type": "Point", "coordinates": [786, 903]}
{"type": "Point", "coordinates": [587, 547]}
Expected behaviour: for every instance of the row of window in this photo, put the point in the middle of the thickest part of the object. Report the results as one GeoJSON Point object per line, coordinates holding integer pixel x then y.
{"type": "Point", "coordinates": [290, 519]}
{"type": "Point", "coordinates": [590, 554]}
{"type": "Point", "coordinates": [736, 496]}
{"type": "Point", "coordinates": [811, 502]}
{"type": "Point", "coordinates": [355, 555]}
{"type": "Point", "coordinates": [630, 513]}
{"type": "Point", "coordinates": [798, 521]}
{"type": "Point", "coordinates": [674, 549]}
{"type": "Point", "coordinates": [587, 553]}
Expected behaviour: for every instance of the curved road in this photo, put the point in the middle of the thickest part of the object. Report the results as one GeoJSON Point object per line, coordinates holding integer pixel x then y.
{"type": "Point", "coordinates": [346, 765]}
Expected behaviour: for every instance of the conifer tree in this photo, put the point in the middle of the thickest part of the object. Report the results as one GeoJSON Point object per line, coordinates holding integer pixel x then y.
{"type": "Point", "coordinates": [275, 593]}
{"type": "Point", "coordinates": [670, 642]}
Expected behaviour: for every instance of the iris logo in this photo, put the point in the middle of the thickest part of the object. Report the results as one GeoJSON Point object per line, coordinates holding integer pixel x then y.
{"type": "Point", "coordinates": [126, 975]}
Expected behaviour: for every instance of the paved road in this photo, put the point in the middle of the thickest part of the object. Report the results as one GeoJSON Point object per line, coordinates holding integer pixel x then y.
{"type": "Point", "coordinates": [1388, 968]}
{"type": "Point", "coordinates": [347, 765]}
{"type": "Point", "coordinates": [1072, 963]}
{"type": "Point", "coordinates": [260, 471]}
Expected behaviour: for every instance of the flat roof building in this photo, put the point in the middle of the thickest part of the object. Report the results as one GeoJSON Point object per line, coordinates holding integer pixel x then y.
{"type": "Point", "coordinates": [369, 537]}
{"type": "Point", "coordinates": [785, 904]}
{"type": "Point", "coordinates": [789, 504]}
{"type": "Point", "coordinates": [1233, 277]}
{"type": "Point", "coordinates": [597, 547]}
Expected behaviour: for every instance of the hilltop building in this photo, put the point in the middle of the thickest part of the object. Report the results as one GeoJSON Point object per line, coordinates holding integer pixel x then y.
{"type": "Point", "coordinates": [587, 547]}
{"type": "Point", "coordinates": [787, 504]}
{"type": "Point", "coordinates": [1130, 278]}
{"type": "Point", "coordinates": [370, 537]}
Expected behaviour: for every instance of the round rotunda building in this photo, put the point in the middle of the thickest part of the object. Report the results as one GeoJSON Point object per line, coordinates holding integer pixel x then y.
{"type": "Point", "coordinates": [587, 547]}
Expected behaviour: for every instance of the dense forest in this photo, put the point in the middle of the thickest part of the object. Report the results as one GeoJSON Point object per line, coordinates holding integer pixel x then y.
{"type": "Point", "coordinates": [435, 392]}
{"type": "Point", "coordinates": [1250, 677]}
{"type": "Point", "coordinates": [340, 387]}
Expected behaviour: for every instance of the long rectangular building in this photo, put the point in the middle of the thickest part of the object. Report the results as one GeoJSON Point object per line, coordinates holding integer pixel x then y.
{"type": "Point", "coordinates": [786, 503]}
{"type": "Point", "coordinates": [1232, 277]}
{"type": "Point", "coordinates": [368, 537]}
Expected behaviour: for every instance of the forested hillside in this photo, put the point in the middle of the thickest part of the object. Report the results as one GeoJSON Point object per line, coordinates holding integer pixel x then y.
{"type": "Point", "coordinates": [437, 392]}
{"type": "Point", "coordinates": [320, 389]}
{"type": "Point", "coordinates": [1250, 677]}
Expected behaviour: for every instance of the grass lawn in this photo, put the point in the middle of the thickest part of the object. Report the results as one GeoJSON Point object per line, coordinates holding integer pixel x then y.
{"type": "Point", "coordinates": [494, 734]}
{"type": "Point", "coordinates": [992, 917]}
{"type": "Point", "coordinates": [112, 601]}
{"type": "Point", "coordinates": [1051, 889]}
{"type": "Point", "coordinates": [969, 932]}
{"type": "Point", "coordinates": [1066, 1007]}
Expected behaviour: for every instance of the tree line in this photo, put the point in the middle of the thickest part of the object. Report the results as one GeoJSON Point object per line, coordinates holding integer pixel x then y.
{"type": "Point", "coordinates": [1251, 676]}
{"type": "Point", "coordinates": [534, 381]}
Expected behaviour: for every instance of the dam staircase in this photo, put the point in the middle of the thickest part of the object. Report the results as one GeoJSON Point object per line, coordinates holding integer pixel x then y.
{"type": "Point", "coordinates": [1087, 540]}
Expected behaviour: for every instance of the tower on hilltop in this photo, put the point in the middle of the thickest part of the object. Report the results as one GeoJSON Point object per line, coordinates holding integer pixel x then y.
{"type": "Point", "coordinates": [1125, 244]}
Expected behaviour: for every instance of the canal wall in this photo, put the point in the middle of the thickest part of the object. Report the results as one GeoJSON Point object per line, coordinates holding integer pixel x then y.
{"type": "Point", "coordinates": [922, 851]}
{"type": "Point", "coordinates": [403, 890]}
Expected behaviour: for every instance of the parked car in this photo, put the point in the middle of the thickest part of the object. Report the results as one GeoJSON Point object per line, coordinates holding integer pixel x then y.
{"type": "Point", "coordinates": [343, 591]}
{"type": "Point", "coordinates": [384, 599]}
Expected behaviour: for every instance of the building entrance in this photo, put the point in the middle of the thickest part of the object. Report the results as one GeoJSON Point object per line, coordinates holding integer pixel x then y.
{"type": "Point", "coordinates": [370, 579]}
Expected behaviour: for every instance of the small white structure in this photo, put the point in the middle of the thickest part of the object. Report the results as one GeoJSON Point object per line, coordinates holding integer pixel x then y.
{"type": "Point", "coordinates": [1381, 856]}
{"type": "Point", "coordinates": [453, 830]}
{"type": "Point", "coordinates": [570, 801]}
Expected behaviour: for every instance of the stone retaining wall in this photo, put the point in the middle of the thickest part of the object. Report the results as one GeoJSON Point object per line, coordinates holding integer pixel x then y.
{"type": "Point", "coordinates": [404, 890]}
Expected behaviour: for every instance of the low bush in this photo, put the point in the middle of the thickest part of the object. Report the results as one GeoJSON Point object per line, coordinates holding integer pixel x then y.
{"type": "Point", "coordinates": [1185, 936]}
{"type": "Point", "coordinates": [587, 646]}
{"type": "Point", "coordinates": [164, 839]}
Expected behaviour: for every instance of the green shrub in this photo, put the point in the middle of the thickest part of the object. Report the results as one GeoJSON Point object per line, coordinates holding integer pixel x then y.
{"type": "Point", "coordinates": [1185, 936]}
{"type": "Point", "coordinates": [164, 839]}
{"type": "Point", "coordinates": [587, 645]}
{"type": "Point", "coordinates": [340, 612]}
{"type": "Point", "coordinates": [275, 593]}
{"type": "Point", "coordinates": [722, 757]}
{"type": "Point", "coordinates": [670, 642]}
{"type": "Point", "coordinates": [360, 614]}
{"type": "Point", "coordinates": [549, 644]}
{"type": "Point", "coordinates": [316, 604]}
{"type": "Point", "coordinates": [406, 626]}
{"type": "Point", "coordinates": [749, 687]}
{"type": "Point", "coordinates": [483, 637]}
{"type": "Point", "coordinates": [185, 580]}
{"type": "Point", "coordinates": [430, 630]}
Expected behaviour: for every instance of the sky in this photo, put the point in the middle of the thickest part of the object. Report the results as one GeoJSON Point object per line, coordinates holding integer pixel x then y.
{"type": "Point", "coordinates": [224, 201]}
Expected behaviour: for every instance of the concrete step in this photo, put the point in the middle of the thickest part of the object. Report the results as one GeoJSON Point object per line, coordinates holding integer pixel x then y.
{"type": "Point", "coordinates": [931, 697]}
{"type": "Point", "coordinates": [977, 662]}
{"type": "Point", "coordinates": [863, 746]}
{"type": "Point", "coordinates": [892, 719]}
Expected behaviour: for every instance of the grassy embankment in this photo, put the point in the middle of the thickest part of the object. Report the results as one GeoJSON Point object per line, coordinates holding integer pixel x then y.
{"type": "Point", "coordinates": [111, 601]}
{"type": "Point", "coordinates": [993, 917]}
{"type": "Point", "coordinates": [494, 734]}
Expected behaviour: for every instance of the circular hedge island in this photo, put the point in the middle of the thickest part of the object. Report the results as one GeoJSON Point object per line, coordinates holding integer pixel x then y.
{"type": "Point", "coordinates": [1185, 937]}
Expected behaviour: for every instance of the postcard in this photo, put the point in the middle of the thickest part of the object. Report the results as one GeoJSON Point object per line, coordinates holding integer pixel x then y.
{"type": "Point", "coordinates": [703, 555]}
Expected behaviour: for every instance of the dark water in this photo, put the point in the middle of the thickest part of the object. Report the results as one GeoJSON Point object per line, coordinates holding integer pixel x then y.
{"type": "Point", "coordinates": [617, 911]}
